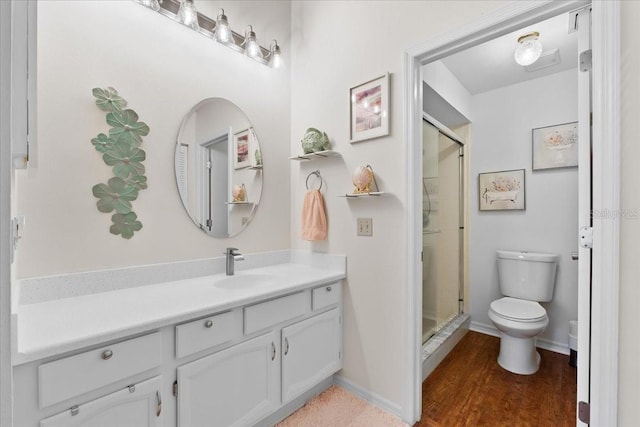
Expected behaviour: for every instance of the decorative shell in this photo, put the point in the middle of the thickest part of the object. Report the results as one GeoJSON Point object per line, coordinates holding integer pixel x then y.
{"type": "Point", "coordinates": [239, 193]}
{"type": "Point", "coordinates": [362, 178]}
{"type": "Point", "coordinates": [315, 140]}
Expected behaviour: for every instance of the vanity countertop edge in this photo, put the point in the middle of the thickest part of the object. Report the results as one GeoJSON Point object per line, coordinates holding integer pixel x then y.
{"type": "Point", "coordinates": [64, 325]}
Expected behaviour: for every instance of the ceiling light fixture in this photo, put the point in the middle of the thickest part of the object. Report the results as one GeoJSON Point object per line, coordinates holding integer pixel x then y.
{"type": "Point", "coordinates": [188, 15]}
{"type": "Point", "coordinates": [251, 46]}
{"type": "Point", "coordinates": [275, 56]}
{"type": "Point", "coordinates": [222, 31]}
{"type": "Point", "coordinates": [529, 49]}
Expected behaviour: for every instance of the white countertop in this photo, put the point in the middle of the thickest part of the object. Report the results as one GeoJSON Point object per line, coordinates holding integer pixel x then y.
{"type": "Point", "coordinates": [57, 326]}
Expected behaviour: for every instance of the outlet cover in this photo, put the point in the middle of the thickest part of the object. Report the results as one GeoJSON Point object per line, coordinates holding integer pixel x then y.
{"type": "Point", "coordinates": [365, 226]}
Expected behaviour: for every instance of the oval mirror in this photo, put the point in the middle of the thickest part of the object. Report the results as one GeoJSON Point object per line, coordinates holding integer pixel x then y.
{"type": "Point", "coordinates": [218, 166]}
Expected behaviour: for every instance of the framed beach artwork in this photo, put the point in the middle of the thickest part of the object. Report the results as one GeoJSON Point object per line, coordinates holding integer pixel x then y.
{"type": "Point", "coordinates": [369, 109]}
{"type": "Point", "coordinates": [555, 146]}
{"type": "Point", "coordinates": [500, 191]}
{"type": "Point", "coordinates": [241, 143]}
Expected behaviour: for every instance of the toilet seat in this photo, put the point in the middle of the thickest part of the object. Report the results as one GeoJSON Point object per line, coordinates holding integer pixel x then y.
{"type": "Point", "coordinates": [518, 310]}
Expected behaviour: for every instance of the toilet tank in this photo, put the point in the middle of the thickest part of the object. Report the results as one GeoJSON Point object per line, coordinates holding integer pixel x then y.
{"type": "Point", "coordinates": [527, 275]}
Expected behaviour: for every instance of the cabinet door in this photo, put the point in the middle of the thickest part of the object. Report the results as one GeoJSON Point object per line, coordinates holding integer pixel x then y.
{"type": "Point", "coordinates": [310, 353]}
{"type": "Point", "coordinates": [233, 387]}
{"type": "Point", "coordinates": [139, 405]}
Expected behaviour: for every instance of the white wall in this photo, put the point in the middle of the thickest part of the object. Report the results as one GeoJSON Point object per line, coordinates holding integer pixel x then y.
{"type": "Point", "coordinates": [629, 376]}
{"type": "Point", "coordinates": [162, 69]}
{"type": "Point", "coordinates": [501, 135]}
{"type": "Point", "coordinates": [438, 76]}
{"type": "Point", "coordinates": [337, 45]}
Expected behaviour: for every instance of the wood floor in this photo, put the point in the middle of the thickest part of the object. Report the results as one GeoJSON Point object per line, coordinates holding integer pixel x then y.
{"type": "Point", "coordinates": [469, 388]}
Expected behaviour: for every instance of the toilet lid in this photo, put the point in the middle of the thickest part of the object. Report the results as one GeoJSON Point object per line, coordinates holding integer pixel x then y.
{"type": "Point", "coordinates": [518, 309]}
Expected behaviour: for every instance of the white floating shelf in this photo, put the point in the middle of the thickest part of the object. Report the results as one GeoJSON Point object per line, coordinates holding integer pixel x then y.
{"type": "Point", "coordinates": [373, 193]}
{"type": "Point", "coordinates": [239, 203]}
{"type": "Point", "coordinates": [310, 156]}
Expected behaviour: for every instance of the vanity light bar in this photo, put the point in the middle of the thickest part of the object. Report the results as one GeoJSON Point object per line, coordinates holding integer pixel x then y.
{"type": "Point", "coordinates": [170, 8]}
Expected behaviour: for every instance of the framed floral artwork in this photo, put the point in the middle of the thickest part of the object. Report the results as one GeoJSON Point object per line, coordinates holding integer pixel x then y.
{"type": "Point", "coordinates": [503, 190]}
{"type": "Point", "coordinates": [241, 143]}
{"type": "Point", "coordinates": [555, 146]}
{"type": "Point", "coordinates": [369, 109]}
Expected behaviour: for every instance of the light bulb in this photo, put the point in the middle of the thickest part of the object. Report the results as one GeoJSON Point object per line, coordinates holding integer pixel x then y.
{"type": "Point", "coordinates": [251, 46]}
{"type": "Point", "coordinates": [529, 49]}
{"type": "Point", "coordinates": [151, 4]}
{"type": "Point", "coordinates": [222, 32]}
{"type": "Point", "coordinates": [275, 56]}
{"type": "Point", "coordinates": [188, 15]}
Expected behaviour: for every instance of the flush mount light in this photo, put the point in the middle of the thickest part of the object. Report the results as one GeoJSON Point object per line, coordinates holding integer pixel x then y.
{"type": "Point", "coordinates": [151, 4]}
{"type": "Point", "coordinates": [529, 49]}
{"type": "Point", "coordinates": [251, 46]}
{"type": "Point", "coordinates": [274, 56]}
{"type": "Point", "coordinates": [188, 15]}
{"type": "Point", "coordinates": [222, 31]}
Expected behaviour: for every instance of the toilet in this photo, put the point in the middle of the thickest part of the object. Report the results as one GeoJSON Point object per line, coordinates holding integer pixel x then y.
{"type": "Point", "coordinates": [526, 278]}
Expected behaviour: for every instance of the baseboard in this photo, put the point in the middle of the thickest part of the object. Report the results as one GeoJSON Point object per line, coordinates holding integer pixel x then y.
{"type": "Point", "coordinates": [369, 396]}
{"type": "Point", "coordinates": [542, 343]}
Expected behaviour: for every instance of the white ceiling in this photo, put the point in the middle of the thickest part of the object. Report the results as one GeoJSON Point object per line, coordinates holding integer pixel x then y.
{"type": "Point", "coordinates": [491, 65]}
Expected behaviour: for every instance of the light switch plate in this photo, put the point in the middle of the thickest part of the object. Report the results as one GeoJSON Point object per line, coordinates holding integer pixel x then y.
{"type": "Point", "coordinates": [365, 226]}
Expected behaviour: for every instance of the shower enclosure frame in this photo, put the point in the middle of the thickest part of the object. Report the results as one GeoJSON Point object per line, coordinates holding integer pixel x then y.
{"type": "Point", "coordinates": [448, 133]}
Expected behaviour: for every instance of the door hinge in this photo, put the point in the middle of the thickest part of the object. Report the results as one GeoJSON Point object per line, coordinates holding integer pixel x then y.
{"type": "Point", "coordinates": [584, 412]}
{"type": "Point", "coordinates": [586, 237]}
{"type": "Point", "coordinates": [208, 165]}
{"type": "Point", "coordinates": [75, 410]}
{"type": "Point", "coordinates": [175, 388]}
{"type": "Point", "coordinates": [585, 60]}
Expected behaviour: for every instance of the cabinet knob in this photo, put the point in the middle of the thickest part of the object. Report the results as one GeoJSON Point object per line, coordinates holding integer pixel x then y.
{"type": "Point", "coordinates": [106, 355]}
{"type": "Point", "coordinates": [208, 324]}
{"type": "Point", "coordinates": [328, 288]}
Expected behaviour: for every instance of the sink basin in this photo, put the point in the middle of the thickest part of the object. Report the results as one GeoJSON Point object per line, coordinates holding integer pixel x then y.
{"type": "Point", "coordinates": [244, 281]}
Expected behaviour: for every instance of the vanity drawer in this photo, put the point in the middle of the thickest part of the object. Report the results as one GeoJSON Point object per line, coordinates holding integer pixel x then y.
{"type": "Point", "coordinates": [270, 313]}
{"type": "Point", "coordinates": [208, 332]}
{"type": "Point", "coordinates": [75, 375]}
{"type": "Point", "coordinates": [327, 295]}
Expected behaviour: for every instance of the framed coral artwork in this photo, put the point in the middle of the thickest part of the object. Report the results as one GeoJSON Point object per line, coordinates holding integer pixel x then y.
{"type": "Point", "coordinates": [500, 191]}
{"type": "Point", "coordinates": [555, 146]}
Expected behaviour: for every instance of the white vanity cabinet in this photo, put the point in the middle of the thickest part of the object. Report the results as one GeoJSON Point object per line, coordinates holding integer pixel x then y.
{"type": "Point", "coordinates": [299, 346]}
{"type": "Point", "coordinates": [233, 387]}
{"type": "Point", "coordinates": [237, 364]}
{"type": "Point", "coordinates": [138, 405]}
{"type": "Point", "coordinates": [311, 352]}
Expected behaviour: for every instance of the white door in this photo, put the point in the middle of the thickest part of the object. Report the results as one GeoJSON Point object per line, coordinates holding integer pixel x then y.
{"type": "Point", "coordinates": [233, 387]}
{"type": "Point", "coordinates": [139, 405]}
{"type": "Point", "coordinates": [310, 353]}
{"type": "Point", "coordinates": [584, 209]}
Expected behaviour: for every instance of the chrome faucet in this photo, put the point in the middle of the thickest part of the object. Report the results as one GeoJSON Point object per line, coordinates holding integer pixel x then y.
{"type": "Point", "coordinates": [232, 257]}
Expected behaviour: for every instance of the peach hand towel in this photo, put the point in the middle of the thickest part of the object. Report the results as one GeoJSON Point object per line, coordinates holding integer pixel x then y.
{"type": "Point", "coordinates": [314, 219]}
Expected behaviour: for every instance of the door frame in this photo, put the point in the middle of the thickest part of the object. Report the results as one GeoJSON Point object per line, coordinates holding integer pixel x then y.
{"type": "Point", "coordinates": [606, 187]}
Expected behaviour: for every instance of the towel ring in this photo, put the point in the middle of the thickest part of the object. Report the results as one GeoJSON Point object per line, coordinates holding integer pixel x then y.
{"type": "Point", "coordinates": [316, 173]}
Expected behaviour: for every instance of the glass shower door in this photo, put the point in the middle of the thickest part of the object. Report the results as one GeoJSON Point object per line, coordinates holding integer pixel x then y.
{"type": "Point", "coordinates": [441, 230]}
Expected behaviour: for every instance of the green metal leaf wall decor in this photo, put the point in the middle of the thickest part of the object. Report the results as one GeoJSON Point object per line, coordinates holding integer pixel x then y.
{"type": "Point", "coordinates": [120, 149]}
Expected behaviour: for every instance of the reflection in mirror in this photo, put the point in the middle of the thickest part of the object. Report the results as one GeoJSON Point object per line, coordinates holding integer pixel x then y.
{"type": "Point", "coordinates": [218, 166]}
